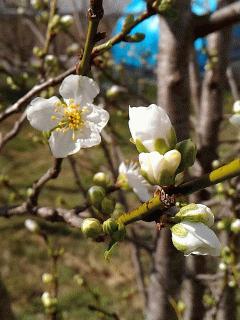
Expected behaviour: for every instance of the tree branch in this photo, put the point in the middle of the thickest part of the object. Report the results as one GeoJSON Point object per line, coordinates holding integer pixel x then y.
{"type": "Point", "coordinates": [217, 20]}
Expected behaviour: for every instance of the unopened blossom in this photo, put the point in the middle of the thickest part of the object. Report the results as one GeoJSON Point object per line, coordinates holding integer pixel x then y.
{"type": "Point", "coordinates": [196, 213]}
{"type": "Point", "coordinates": [151, 129]}
{"type": "Point", "coordinates": [236, 106]}
{"type": "Point", "coordinates": [31, 225]}
{"type": "Point", "coordinates": [160, 169]}
{"type": "Point", "coordinates": [235, 226]}
{"type": "Point", "coordinates": [195, 238]}
{"type": "Point", "coordinates": [75, 122]}
{"type": "Point", "coordinates": [131, 178]}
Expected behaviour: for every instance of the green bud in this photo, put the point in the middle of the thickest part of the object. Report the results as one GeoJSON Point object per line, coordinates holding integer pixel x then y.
{"type": "Point", "coordinates": [47, 278]}
{"type": "Point", "coordinates": [55, 21]}
{"type": "Point", "coordinates": [96, 194]}
{"type": "Point", "coordinates": [219, 187]}
{"type": "Point", "coordinates": [91, 227]}
{"type": "Point", "coordinates": [188, 152]}
{"type": "Point", "coordinates": [221, 225]}
{"type": "Point", "coordinates": [110, 226]}
{"type": "Point", "coordinates": [38, 52]}
{"type": "Point", "coordinates": [215, 164]}
{"type": "Point", "coordinates": [66, 20]}
{"type": "Point", "coordinates": [128, 22]}
{"type": "Point", "coordinates": [101, 179]}
{"type": "Point", "coordinates": [37, 4]}
{"type": "Point", "coordinates": [108, 205]}
{"type": "Point", "coordinates": [136, 37]}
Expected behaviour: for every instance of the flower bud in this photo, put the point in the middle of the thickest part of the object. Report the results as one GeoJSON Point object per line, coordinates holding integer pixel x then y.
{"type": "Point", "coordinates": [108, 205]}
{"type": "Point", "coordinates": [96, 194]}
{"type": "Point", "coordinates": [221, 225]}
{"type": "Point", "coordinates": [188, 152]}
{"type": "Point", "coordinates": [160, 169]}
{"type": "Point", "coordinates": [195, 238]}
{"type": "Point", "coordinates": [31, 226]}
{"type": "Point", "coordinates": [48, 301]}
{"type": "Point", "coordinates": [236, 106]}
{"type": "Point", "coordinates": [235, 120]}
{"type": "Point", "coordinates": [110, 226]}
{"type": "Point", "coordinates": [196, 213]}
{"type": "Point", "coordinates": [101, 179]}
{"type": "Point", "coordinates": [91, 227]}
{"type": "Point", "coordinates": [115, 92]}
{"type": "Point", "coordinates": [235, 226]}
{"type": "Point", "coordinates": [222, 266]}
{"type": "Point", "coordinates": [47, 278]}
{"type": "Point", "coordinates": [66, 20]}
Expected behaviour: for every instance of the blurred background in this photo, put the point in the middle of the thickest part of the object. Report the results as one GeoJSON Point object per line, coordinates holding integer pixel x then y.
{"type": "Point", "coordinates": [146, 277]}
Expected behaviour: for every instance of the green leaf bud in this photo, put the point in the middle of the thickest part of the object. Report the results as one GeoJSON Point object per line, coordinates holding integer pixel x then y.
{"type": "Point", "coordinates": [136, 37]}
{"type": "Point", "coordinates": [47, 278]}
{"type": "Point", "coordinates": [188, 152]}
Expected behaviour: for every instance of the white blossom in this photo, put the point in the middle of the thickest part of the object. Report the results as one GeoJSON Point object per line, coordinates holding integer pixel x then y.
{"type": "Point", "coordinates": [195, 238]}
{"type": "Point", "coordinates": [160, 169]}
{"type": "Point", "coordinates": [196, 213]}
{"type": "Point", "coordinates": [131, 178]}
{"type": "Point", "coordinates": [151, 128]}
{"type": "Point", "coordinates": [74, 123]}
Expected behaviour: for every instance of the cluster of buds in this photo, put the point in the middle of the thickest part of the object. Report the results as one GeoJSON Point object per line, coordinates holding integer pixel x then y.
{"type": "Point", "coordinates": [106, 212]}
{"type": "Point", "coordinates": [161, 158]}
{"type": "Point", "coordinates": [192, 234]}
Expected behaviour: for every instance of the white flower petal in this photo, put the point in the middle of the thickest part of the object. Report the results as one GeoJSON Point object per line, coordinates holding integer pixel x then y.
{"type": "Point", "coordinates": [173, 158]}
{"type": "Point", "coordinates": [40, 112]}
{"type": "Point", "coordinates": [62, 144]}
{"type": "Point", "coordinates": [152, 163]}
{"type": "Point", "coordinates": [98, 116]}
{"type": "Point", "coordinates": [200, 239]}
{"type": "Point", "coordinates": [148, 124]}
{"type": "Point", "coordinates": [80, 88]}
{"type": "Point", "coordinates": [88, 137]}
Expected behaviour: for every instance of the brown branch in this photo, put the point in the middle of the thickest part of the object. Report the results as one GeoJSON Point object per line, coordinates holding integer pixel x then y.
{"type": "Point", "coordinates": [16, 107]}
{"type": "Point", "coordinates": [52, 173]}
{"type": "Point", "coordinates": [217, 20]}
{"type": "Point", "coordinates": [13, 132]}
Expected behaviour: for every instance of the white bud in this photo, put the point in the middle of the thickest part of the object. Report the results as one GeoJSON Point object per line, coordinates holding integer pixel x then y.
{"type": "Point", "coordinates": [222, 266]}
{"type": "Point", "coordinates": [67, 20]}
{"type": "Point", "coordinates": [160, 169]}
{"type": "Point", "coordinates": [195, 238]}
{"type": "Point", "coordinates": [151, 129]}
{"type": "Point", "coordinates": [47, 278]}
{"type": "Point", "coordinates": [31, 225]}
{"type": "Point", "coordinates": [91, 227]}
{"type": "Point", "coordinates": [196, 213]}
{"type": "Point", "coordinates": [236, 106]}
{"type": "Point", "coordinates": [235, 226]}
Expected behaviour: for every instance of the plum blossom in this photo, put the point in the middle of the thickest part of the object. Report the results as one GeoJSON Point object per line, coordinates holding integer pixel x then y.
{"type": "Point", "coordinates": [160, 169]}
{"type": "Point", "coordinates": [131, 178]}
{"type": "Point", "coordinates": [195, 238]}
{"type": "Point", "coordinates": [75, 122]}
{"type": "Point", "coordinates": [151, 129]}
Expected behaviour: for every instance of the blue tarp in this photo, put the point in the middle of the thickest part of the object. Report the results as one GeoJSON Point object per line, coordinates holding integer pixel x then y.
{"type": "Point", "coordinates": [144, 54]}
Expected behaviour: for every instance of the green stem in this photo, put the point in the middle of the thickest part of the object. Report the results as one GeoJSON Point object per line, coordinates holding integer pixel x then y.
{"type": "Point", "coordinates": [146, 210]}
{"type": "Point", "coordinates": [95, 14]}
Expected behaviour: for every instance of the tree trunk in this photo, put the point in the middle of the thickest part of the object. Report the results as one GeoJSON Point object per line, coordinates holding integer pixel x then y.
{"type": "Point", "coordinates": [173, 95]}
